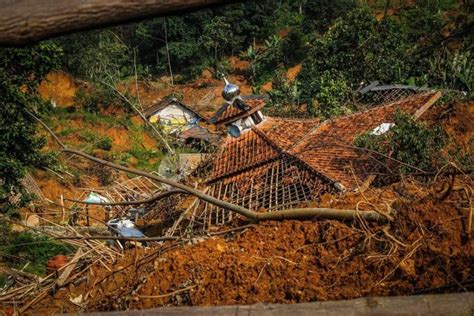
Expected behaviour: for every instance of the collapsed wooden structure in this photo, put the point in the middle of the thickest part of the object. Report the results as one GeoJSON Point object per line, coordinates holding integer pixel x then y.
{"type": "Point", "coordinates": [280, 163]}
{"type": "Point", "coordinates": [137, 188]}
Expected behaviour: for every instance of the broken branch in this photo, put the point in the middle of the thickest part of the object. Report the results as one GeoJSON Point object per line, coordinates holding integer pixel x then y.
{"type": "Point", "coordinates": [27, 21]}
{"type": "Point", "coordinates": [302, 213]}
{"type": "Point", "coordinates": [116, 238]}
{"type": "Point", "coordinates": [155, 198]}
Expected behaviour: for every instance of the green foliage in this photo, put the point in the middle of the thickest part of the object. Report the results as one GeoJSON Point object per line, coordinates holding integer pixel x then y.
{"type": "Point", "coordinates": [100, 97]}
{"type": "Point", "coordinates": [105, 143]}
{"type": "Point", "coordinates": [216, 38]}
{"type": "Point", "coordinates": [293, 46]}
{"type": "Point", "coordinates": [95, 140]}
{"type": "Point", "coordinates": [21, 69]}
{"type": "Point", "coordinates": [413, 143]}
{"type": "Point", "coordinates": [453, 70]}
{"type": "Point", "coordinates": [332, 93]}
{"type": "Point", "coordinates": [356, 48]}
{"type": "Point", "coordinates": [264, 61]}
{"type": "Point", "coordinates": [420, 22]}
{"type": "Point", "coordinates": [319, 14]}
{"type": "Point", "coordinates": [95, 54]}
{"type": "Point", "coordinates": [191, 42]}
{"type": "Point", "coordinates": [284, 96]}
{"type": "Point", "coordinates": [35, 249]}
{"type": "Point", "coordinates": [147, 159]}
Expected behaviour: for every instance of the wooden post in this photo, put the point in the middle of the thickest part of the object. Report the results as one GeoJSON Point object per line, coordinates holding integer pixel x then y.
{"type": "Point", "coordinates": [87, 216]}
{"type": "Point", "coordinates": [63, 212]}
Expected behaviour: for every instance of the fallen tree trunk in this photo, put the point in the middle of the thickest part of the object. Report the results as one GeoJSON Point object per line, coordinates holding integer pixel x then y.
{"type": "Point", "coordinates": [27, 21]}
{"type": "Point", "coordinates": [301, 213]}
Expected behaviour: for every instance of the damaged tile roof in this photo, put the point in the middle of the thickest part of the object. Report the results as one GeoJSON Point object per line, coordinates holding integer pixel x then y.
{"type": "Point", "coordinates": [326, 148]}
{"type": "Point", "coordinates": [242, 153]}
{"type": "Point", "coordinates": [259, 145]}
{"type": "Point", "coordinates": [329, 149]}
{"type": "Point", "coordinates": [233, 113]}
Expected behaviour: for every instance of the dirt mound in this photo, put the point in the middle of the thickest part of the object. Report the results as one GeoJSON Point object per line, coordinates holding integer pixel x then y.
{"type": "Point", "coordinates": [58, 87]}
{"type": "Point", "coordinates": [427, 249]}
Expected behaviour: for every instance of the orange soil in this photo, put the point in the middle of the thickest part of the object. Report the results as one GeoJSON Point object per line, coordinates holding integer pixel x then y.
{"type": "Point", "coordinates": [59, 87]}
{"type": "Point", "coordinates": [292, 261]}
{"type": "Point", "coordinates": [291, 73]}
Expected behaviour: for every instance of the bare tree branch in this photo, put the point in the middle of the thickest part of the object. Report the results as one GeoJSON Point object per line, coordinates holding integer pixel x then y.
{"type": "Point", "coordinates": [152, 199]}
{"type": "Point", "coordinates": [301, 213]}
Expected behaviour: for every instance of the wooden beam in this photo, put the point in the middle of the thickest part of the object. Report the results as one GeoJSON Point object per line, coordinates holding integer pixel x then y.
{"type": "Point", "coordinates": [27, 21]}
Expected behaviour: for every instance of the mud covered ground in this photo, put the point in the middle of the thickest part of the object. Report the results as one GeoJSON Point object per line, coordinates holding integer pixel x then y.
{"type": "Point", "coordinates": [427, 249]}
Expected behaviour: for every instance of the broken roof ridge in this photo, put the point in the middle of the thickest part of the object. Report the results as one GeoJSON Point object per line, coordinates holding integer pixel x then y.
{"type": "Point", "coordinates": [374, 108]}
{"type": "Point", "coordinates": [338, 141]}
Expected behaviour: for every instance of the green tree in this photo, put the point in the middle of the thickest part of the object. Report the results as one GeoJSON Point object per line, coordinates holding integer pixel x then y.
{"type": "Point", "coordinates": [320, 14]}
{"type": "Point", "coordinates": [216, 38]}
{"type": "Point", "coordinates": [21, 69]}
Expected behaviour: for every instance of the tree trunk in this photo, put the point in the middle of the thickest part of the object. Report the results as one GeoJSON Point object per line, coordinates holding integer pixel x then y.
{"type": "Point", "coordinates": [168, 52]}
{"type": "Point", "coordinates": [302, 213]}
{"type": "Point", "coordinates": [27, 21]}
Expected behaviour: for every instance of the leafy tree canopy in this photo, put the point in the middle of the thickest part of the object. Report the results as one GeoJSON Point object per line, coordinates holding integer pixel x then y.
{"type": "Point", "coordinates": [20, 72]}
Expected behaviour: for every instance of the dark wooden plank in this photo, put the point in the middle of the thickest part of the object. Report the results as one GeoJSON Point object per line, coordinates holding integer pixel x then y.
{"type": "Point", "coordinates": [433, 305]}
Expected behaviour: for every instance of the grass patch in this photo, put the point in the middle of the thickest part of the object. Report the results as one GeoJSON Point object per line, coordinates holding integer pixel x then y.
{"type": "Point", "coordinates": [147, 159]}
{"type": "Point", "coordinates": [37, 250]}
{"type": "Point", "coordinates": [95, 140]}
{"type": "Point", "coordinates": [3, 280]}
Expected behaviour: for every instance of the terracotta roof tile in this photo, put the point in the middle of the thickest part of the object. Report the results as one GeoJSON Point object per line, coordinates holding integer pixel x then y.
{"type": "Point", "coordinates": [233, 113]}
{"type": "Point", "coordinates": [262, 143]}
{"type": "Point", "coordinates": [329, 149]}
{"type": "Point", "coordinates": [238, 154]}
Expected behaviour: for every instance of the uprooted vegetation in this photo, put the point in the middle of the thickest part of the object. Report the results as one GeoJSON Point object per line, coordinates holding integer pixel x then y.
{"type": "Point", "coordinates": [426, 249]}
{"type": "Point", "coordinates": [404, 227]}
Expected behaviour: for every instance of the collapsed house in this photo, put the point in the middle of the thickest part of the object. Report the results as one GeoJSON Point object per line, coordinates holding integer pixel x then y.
{"type": "Point", "coordinates": [173, 115]}
{"type": "Point", "coordinates": [270, 164]}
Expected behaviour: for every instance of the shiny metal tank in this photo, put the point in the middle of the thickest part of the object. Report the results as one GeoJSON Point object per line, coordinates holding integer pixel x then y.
{"type": "Point", "coordinates": [230, 90]}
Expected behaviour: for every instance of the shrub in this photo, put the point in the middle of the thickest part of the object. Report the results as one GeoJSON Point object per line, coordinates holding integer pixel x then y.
{"type": "Point", "coordinates": [332, 92]}
{"type": "Point", "coordinates": [35, 249]}
{"type": "Point", "coordinates": [319, 14]}
{"type": "Point", "coordinates": [100, 97]}
{"type": "Point", "coordinates": [453, 70]}
{"type": "Point", "coordinates": [293, 46]}
{"type": "Point", "coordinates": [284, 96]}
{"type": "Point", "coordinates": [411, 142]}
{"type": "Point", "coordinates": [104, 143]}
{"type": "Point", "coordinates": [264, 61]}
